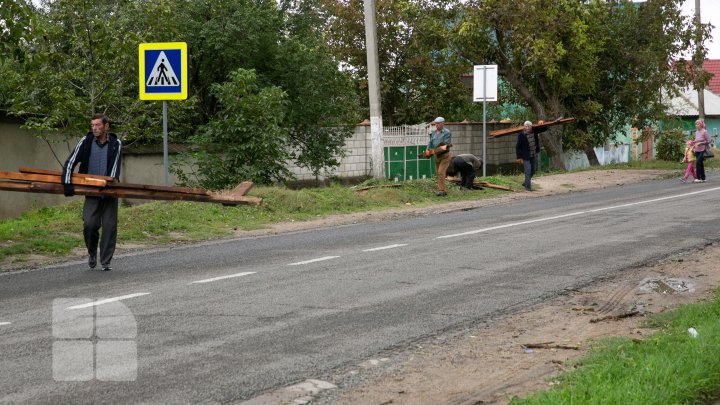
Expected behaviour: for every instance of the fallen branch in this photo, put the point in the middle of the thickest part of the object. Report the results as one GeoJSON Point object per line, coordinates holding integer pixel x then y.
{"type": "Point", "coordinates": [615, 317]}
{"type": "Point", "coordinates": [549, 345]}
{"type": "Point", "coordinates": [378, 186]}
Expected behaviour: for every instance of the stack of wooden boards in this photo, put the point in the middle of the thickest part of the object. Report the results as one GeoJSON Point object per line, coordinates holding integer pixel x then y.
{"type": "Point", "coordinates": [47, 181]}
{"type": "Point", "coordinates": [514, 130]}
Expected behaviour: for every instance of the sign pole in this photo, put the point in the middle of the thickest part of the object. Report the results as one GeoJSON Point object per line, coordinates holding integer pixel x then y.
{"type": "Point", "coordinates": [165, 141]}
{"type": "Point", "coordinates": [484, 121]}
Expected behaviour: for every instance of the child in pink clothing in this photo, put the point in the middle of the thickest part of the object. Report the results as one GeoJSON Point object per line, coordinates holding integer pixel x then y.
{"type": "Point", "coordinates": [690, 160]}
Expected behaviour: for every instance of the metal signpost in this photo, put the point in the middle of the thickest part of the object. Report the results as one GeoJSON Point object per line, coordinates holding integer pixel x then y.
{"type": "Point", "coordinates": [484, 89]}
{"type": "Point", "coordinates": [163, 76]}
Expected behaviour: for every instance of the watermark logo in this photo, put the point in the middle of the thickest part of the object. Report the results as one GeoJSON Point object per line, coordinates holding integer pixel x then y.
{"type": "Point", "coordinates": [93, 342]}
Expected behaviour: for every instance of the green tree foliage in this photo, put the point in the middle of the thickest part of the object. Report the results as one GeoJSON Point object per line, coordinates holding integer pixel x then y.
{"type": "Point", "coordinates": [72, 58]}
{"type": "Point", "coordinates": [73, 61]}
{"type": "Point", "coordinates": [419, 73]}
{"type": "Point", "coordinates": [603, 62]}
{"type": "Point", "coordinates": [244, 141]}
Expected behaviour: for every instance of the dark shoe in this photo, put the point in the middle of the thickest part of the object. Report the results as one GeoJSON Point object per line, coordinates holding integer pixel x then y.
{"type": "Point", "coordinates": [528, 188]}
{"type": "Point", "coordinates": [92, 261]}
{"type": "Point", "coordinates": [106, 268]}
{"type": "Point", "coordinates": [441, 194]}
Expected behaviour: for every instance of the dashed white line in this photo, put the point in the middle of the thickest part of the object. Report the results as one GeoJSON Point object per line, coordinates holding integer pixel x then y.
{"type": "Point", "coordinates": [492, 228]}
{"type": "Point", "coordinates": [5, 323]}
{"type": "Point", "coordinates": [319, 259]}
{"type": "Point", "coordinates": [210, 280]}
{"type": "Point", "coordinates": [107, 300]}
{"type": "Point", "coordinates": [385, 247]}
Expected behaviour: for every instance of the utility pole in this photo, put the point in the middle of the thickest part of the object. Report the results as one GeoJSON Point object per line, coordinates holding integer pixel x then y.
{"type": "Point", "coordinates": [373, 68]}
{"type": "Point", "coordinates": [699, 61]}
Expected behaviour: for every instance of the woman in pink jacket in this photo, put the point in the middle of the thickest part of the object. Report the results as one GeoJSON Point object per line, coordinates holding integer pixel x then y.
{"type": "Point", "coordinates": [702, 141]}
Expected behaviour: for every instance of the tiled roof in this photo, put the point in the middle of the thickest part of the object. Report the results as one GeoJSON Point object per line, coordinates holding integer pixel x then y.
{"type": "Point", "coordinates": [712, 66]}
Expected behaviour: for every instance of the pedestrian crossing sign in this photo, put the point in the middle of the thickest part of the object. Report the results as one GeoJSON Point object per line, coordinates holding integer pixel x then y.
{"type": "Point", "coordinates": [163, 71]}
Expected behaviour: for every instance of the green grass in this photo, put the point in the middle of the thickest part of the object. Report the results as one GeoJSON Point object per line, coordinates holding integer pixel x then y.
{"type": "Point", "coordinates": [56, 231]}
{"type": "Point", "coordinates": [669, 367]}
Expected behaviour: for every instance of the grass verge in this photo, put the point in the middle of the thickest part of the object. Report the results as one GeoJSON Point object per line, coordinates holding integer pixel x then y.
{"type": "Point", "coordinates": [56, 231]}
{"type": "Point", "coordinates": [669, 367]}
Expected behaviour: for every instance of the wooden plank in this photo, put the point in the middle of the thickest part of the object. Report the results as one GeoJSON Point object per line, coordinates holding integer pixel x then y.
{"type": "Point", "coordinates": [242, 188]}
{"type": "Point", "coordinates": [58, 173]}
{"type": "Point", "coordinates": [47, 178]}
{"type": "Point", "coordinates": [52, 188]}
{"type": "Point", "coordinates": [507, 131]}
{"type": "Point", "coordinates": [113, 183]}
{"type": "Point", "coordinates": [149, 187]}
{"type": "Point", "coordinates": [495, 186]}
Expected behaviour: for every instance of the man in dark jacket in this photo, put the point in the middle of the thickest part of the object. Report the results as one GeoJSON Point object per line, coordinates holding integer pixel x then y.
{"type": "Point", "coordinates": [527, 150]}
{"type": "Point", "coordinates": [97, 153]}
{"type": "Point", "coordinates": [467, 165]}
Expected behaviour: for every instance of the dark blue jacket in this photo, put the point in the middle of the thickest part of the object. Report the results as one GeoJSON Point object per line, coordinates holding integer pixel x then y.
{"type": "Point", "coordinates": [81, 155]}
{"type": "Point", "coordinates": [522, 147]}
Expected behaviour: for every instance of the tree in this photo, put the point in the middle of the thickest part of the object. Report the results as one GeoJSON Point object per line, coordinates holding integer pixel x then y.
{"type": "Point", "coordinates": [283, 44]}
{"type": "Point", "coordinates": [244, 141]}
{"type": "Point", "coordinates": [564, 57]}
{"type": "Point", "coordinates": [72, 58]}
{"type": "Point", "coordinates": [419, 73]}
{"type": "Point", "coordinates": [73, 63]}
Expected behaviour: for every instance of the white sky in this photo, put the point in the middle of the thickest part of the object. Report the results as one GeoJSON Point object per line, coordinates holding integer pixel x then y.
{"type": "Point", "coordinates": [709, 12]}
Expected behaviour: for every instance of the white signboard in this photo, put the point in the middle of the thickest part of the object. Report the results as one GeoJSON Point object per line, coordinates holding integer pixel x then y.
{"type": "Point", "coordinates": [485, 82]}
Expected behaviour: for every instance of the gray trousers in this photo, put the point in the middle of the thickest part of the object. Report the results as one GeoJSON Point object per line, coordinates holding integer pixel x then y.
{"type": "Point", "coordinates": [529, 167]}
{"type": "Point", "coordinates": [97, 212]}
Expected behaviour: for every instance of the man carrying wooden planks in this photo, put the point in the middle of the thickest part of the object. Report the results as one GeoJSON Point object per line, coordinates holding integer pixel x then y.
{"type": "Point", "coordinates": [97, 153]}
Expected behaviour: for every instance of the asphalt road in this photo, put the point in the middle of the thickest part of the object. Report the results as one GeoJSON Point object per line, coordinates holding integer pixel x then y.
{"type": "Point", "coordinates": [226, 321]}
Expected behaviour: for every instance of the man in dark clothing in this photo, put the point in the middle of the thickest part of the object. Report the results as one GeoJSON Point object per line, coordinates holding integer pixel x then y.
{"type": "Point", "coordinates": [527, 150]}
{"type": "Point", "coordinates": [97, 153]}
{"type": "Point", "coordinates": [467, 165]}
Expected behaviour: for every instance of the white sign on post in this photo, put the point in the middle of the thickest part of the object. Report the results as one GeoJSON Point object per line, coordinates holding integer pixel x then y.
{"type": "Point", "coordinates": [485, 89]}
{"type": "Point", "coordinates": [480, 81]}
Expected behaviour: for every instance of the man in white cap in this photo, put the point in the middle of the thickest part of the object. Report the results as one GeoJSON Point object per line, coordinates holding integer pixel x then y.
{"type": "Point", "coordinates": [439, 144]}
{"type": "Point", "coordinates": [527, 150]}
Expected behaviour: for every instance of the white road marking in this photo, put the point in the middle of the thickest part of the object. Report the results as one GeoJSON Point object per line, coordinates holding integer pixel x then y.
{"type": "Point", "coordinates": [572, 214]}
{"type": "Point", "coordinates": [319, 259]}
{"type": "Point", "coordinates": [210, 280]}
{"type": "Point", "coordinates": [385, 247]}
{"type": "Point", "coordinates": [5, 323]}
{"type": "Point", "coordinates": [107, 300]}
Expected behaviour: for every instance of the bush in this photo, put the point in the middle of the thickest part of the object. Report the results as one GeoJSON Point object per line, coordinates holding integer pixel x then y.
{"type": "Point", "coordinates": [671, 145]}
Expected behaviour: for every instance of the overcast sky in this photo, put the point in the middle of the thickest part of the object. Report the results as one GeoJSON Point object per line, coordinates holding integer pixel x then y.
{"type": "Point", "coordinates": [709, 12]}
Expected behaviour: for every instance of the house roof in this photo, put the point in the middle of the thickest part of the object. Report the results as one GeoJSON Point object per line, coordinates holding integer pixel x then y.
{"type": "Point", "coordinates": [686, 104]}
{"type": "Point", "coordinates": [712, 66]}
